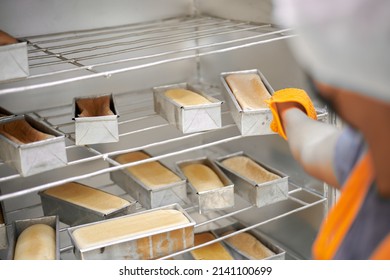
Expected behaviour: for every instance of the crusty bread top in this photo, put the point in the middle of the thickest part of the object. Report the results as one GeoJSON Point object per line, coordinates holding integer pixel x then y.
{"type": "Point", "coordinates": [202, 177]}
{"type": "Point", "coordinates": [36, 242]}
{"type": "Point", "coordinates": [152, 174]}
{"type": "Point", "coordinates": [249, 245]}
{"type": "Point", "coordinates": [213, 251]}
{"type": "Point", "coordinates": [249, 90]}
{"type": "Point", "coordinates": [249, 169]}
{"type": "Point", "coordinates": [127, 227]}
{"type": "Point", "coordinates": [88, 197]}
{"type": "Point", "coordinates": [186, 97]}
{"type": "Point", "coordinates": [21, 132]}
{"type": "Point", "coordinates": [94, 107]}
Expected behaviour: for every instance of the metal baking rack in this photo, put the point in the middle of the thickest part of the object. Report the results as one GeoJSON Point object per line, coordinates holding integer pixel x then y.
{"type": "Point", "coordinates": [70, 55]}
{"type": "Point", "coordinates": [74, 56]}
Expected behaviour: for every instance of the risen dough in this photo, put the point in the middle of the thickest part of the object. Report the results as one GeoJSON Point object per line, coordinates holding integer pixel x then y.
{"type": "Point", "coordinates": [186, 97]}
{"type": "Point", "coordinates": [127, 227]}
{"type": "Point", "coordinates": [21, 132]}
{"type": "Point", "coordinates": [249, 245]}
{"type": "Point", "coordinates": [202, 177]}
{"type": "Point", "coordinates": [249, 90]}
{"type": "Point", "coordinates": [37, 242]}
{"type": "Point", "coordinates": [88, 197]}
{"type": "Point", "coordinates": [214, 251]}
{"type": "Point", "coordinates": [152, 174]}
{"type": "Point", "coordinates": [249, 169]}
{"type": "Point", "coordinates": [94, 107]}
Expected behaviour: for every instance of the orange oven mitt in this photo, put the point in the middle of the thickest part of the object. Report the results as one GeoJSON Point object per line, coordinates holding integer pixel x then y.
{"type": "Point", "coordinates": [289, 95]}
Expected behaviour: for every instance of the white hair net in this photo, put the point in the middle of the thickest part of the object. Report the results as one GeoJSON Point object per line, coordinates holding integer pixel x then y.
{"type": "Point", "coordinates": [344, 43]}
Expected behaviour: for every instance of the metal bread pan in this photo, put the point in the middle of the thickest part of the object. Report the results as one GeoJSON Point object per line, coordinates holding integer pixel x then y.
{"type": "Point", "coordinates": [258, 194]}
{"type": "Point", "coordinates": [151, 197]}
{"type": "Point", "coordinates": [19, 225]}
{"type": "Point", "coordinates": [14, 61]}
{"type": "Point", "coordinates": [279, 253]}
{"type": "Point", "coordinates": [249, 122]}
{"type": "Point", "coordinates": [98, 129]}
{"type": "Point", "coordinates": [36, 157]}
{"type": "Point", "coordinates": [73, 214]}
{"type": "Point", "coordinates": [187, 119]}
{"type": "Point", "coordinates": [210, 200]}
{"type": "Point", "coordinates": [149, 244]}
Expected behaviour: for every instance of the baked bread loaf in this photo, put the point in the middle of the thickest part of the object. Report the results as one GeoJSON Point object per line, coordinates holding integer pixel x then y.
{"type": "Point", "coordinates": [249, 90]}
{"type": "Point", "coordinates": [127, 227]}
{"type": "Point", "coordinates": [94, 107]}
{"type": "Point", "coordinates": [6, 39]}
{"type": "Point", "coordinates": [249, 245]}
{"type": "Point", "coordinates": [186, 97]}
{"type": "Point", "coordinates": [21, 132]}
{"type": "Point", "coordinates": [215, 251]}
{"type": "Point", "coordinates": [37, 242]}
{"type": "Point", "coordinates": [202, 177]}
{"type": "Point", "coordinates": [88, 197]}
{"type": "Point", "coordinates": [249, 169]}
{"type": "Point", "coordinates": [152, 174]}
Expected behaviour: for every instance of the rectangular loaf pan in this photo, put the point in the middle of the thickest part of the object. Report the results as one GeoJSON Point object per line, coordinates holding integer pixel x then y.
{"type": "Point", "coordinates": [19, 225]}
{"type": "Point", "coordinates": [239, 254]}
{"type": "Point", "coordinates": [151, 197]}
{"type": "Point", "coordinates": [36, 157]}
{"type": "Point", "coordinates": [99, 129]}
{"type": "Point", "coordinates": [249, 122]}
{"type": "Point", "coordinates": [160, 242]}
{"type": "Point", "coordinates": [73, 214]}
{"type": "Point", "coordinates": [258, 194]}
{"type": "Point", "coordinates": [210, 200]}
{"type": "Point", "coordinates": [14, 61]}
{"type": "Point", "coordinates": [187, 119]}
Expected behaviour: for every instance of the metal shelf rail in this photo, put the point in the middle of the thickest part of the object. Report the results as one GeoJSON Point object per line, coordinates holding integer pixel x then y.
{"type": "Point", "coordinates": [75, 52]}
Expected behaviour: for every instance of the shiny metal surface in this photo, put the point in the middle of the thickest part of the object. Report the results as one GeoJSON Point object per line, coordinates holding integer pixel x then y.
{"type": "Point", "coordinates": [191, 41]}
{"type": "Point", "coordinates": [19, 225]}
{"type": "Point", "coordinates": [210, 200]}
{"type": "Point", "coordinates": [98, 129]}
{"type": "Point", "coordinates": [127, 248]}
{"type": "Point", "coordinates": [249, 122]}
{"type": "Point", "coordinates": [259, 194]}
{"type": "Point", "coordinates": [187, 119]}
{"type": "Point", "coordinates": [36, 157]}
{"type": "Point", "coordinates": [14, 62]}
{"type": "Point", "coordinates": [73, 214]}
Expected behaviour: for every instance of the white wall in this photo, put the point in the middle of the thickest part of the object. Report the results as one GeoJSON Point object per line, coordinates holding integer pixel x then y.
{"type": "Point", "coordinates": [26, 18]}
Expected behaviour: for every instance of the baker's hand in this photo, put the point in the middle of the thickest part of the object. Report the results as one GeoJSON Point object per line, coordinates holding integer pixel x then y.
{"type": "Point", "coordinates": [285, 99]}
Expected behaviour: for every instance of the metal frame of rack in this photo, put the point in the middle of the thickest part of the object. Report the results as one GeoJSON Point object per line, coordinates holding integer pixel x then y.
{"type": "Point", "coordinates": [73, 53]}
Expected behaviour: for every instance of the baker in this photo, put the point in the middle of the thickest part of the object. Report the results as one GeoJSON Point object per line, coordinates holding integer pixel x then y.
{"type": "Point", "coordinates": [343, 46]}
